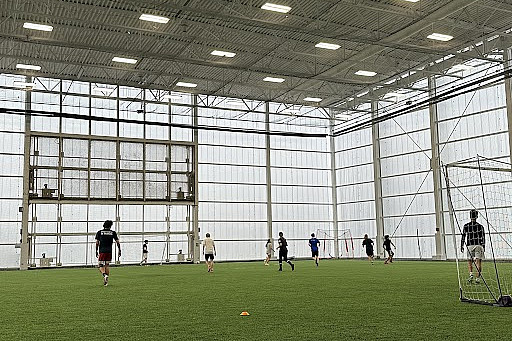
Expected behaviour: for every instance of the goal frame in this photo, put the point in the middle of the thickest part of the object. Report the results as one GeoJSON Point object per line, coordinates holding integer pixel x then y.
{"type": "Point", "coordinates": [503, 300]}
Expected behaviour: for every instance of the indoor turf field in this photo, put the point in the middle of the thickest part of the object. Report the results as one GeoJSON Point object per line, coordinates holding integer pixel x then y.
{"type": "Point", "coordinates": [340, 300]}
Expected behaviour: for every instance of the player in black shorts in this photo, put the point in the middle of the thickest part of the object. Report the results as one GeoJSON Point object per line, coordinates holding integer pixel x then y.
{"type": "Point", "coordinates": [314, 245]}
{"type": "Point", "coordinates": [283, 252]}
{"type": "Point", "coordinates": [387, 246]}
{"type": "Point", "coordinates": [104, 240]}
{"type": "Point", "coordinates": [368, 243]}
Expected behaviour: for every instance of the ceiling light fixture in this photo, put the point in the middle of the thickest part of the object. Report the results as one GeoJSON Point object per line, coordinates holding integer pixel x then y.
{"type": "Point", "coordinates": [273, 79]}
{"type": "Point", "coordinates": [124, 60]}
{"type": "Point", "coordinates": [439, 36]}
{"type": "Point", "coordinates": [154, 18]}
{"type": "Point", "coordinates": [328, 46]}
{"type": "Point", "coordinates": [28, 67]}
{"type": "Point", "coordinates": [276, 8]}
{"type": "Point", "coordinates": [38, 27]}
{"type": "Point", "coordinates": [366, 73]}
{"type": "Point", "coordinates": [186, 85]}
{"type": "Point", "coordinates": [312, 99]}
{"type": "Point", "coordinates": [223, 54]}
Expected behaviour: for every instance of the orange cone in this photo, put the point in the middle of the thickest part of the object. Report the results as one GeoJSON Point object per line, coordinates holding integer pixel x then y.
{"type": "Point", "coordinates": [244, 313]}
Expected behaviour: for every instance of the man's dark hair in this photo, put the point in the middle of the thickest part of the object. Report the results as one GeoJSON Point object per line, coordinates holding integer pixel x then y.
{"type": "Point", "coordinates": [208, 235]}
{"type": "Point", "coordinates": [280, 234]}
{"type": "Point", "coordinates": [146, 241]}
{"type": "Point", "coordinates": [473, 214]}
{"type": "Point", "coordinates": [386, 236]}
{"type": "Point", "coordinates": [108, 224]}
{"type": "Point", "coordinates": [313, 235]}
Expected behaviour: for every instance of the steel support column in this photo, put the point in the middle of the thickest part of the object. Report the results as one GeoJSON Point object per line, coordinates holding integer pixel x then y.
{"type": "Point", "coordinates": [25, 243]}
{"type": "Point", "coordinates": [435, 164]}
{"type": "Point", "coordinates": [507, 64]}
{"type": "Point", "coordinates": [377, 182]}
{"type": "Point", "coordinates": [268, 172]}
{"type": "Point", "coordinates": [195, 208]}
{"type": "Point", "coordinates": [334, 189]}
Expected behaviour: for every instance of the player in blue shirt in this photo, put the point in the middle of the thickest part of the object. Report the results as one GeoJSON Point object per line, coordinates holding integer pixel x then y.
{"type": "Point", "coordinates": [314, 244]}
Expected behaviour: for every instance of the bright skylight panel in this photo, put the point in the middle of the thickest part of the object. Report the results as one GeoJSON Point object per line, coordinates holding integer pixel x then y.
{"type": "Point", "coordinates": [462, 67]}
{"type": "Point", "coordinates": [276, 8]}
{"type": "Point", "coordinates": [124, 60]}
{"type": "Point", "coordinates": [273, 79]}
{"type": "Point", "coordinates": [312, 99]}
{"type": "Point", "coordinates": [412, 0]}
{"type": "Point", "coordinates": [23, 84]}
{"type": "Point", "coordinates": [440, 37]}
{"type": "Point", "coordinates": [154, 18]}
{"type": "Point", "coordinates": [186, 85]}
{"type": "Point", "coordinates": [28, 67]}
{"type": "Point", "coordinates": [328, 46]}
{"type": "Point", "coordinates": [223, 54]}
{"type": "Point", "coordinates": [38, 27]}
{"type": "Point", "coordinates": [366, 73]}
{"type": "Point", "coordinates": [102, 89]}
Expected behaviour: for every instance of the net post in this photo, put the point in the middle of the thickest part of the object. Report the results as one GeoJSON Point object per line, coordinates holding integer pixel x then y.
{"type": "Point", "coordinates": [452, 225]}
{"type": "Point", "coordinates": [488, 229]}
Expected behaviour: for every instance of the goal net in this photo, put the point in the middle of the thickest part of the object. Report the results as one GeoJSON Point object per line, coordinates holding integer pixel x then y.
{"type": "Point", "coordinates": [345, 244]}
{"type": "Point", "coordinates": [479, 193]}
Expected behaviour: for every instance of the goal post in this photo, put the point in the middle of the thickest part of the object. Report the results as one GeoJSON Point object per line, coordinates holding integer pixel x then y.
{"type": "Point", "coordinates": [479, 195]}
{"type": "Point", "coordinates": [327, 241]}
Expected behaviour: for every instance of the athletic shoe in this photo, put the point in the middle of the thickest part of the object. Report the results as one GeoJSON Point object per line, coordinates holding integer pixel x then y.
{"type": "Point", "coordinates": [105, 280]}
{"type": "Point", "coordinates": [293, 267]}
{"type": "Point", "coordinates": [477, 280]}
{"type": "Point", "coordinates": [470, 279]}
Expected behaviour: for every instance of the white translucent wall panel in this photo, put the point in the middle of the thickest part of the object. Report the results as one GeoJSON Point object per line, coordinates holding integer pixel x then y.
{"type": "Point", "coordinates": [355, 191]}
{"type": "Point", "coordinates": [469, 125]}
{"type": "Point", "coordinates": [11, 171]}
{"type": "Point", "coordinates": [301, 185]}
{"type": "Point", "coordinates": [232, 185]}
{"type": "Point", "coordinates": [407, 181]}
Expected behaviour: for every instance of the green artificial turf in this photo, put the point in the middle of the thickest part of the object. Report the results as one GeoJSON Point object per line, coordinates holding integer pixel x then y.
{"type": "Point", "coordinates": [340, 300]}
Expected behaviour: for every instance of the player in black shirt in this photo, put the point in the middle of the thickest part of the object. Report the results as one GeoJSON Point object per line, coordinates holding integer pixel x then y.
{"type": "Point", "coordinates": [283, 252]}
{"type": "Point", "coordinates": [368, 243]}
{"type": "Point", "coordinates": [474, 237]}
{"type": "Point", "coordinates": [387, 246]}
{"type": "Point", "coordinates": [144, 253]}
{"type": "Point", "coordinates": [104, 240]}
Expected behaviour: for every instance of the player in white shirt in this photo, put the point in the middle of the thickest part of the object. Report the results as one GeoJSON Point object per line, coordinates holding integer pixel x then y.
{"type": "Point", "coordinates": [268, 247]}
{"type": "Point", "coordinates": [209, 251]}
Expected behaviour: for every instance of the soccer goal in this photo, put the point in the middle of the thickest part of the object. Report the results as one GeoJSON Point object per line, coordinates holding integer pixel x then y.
{"type": "Point", "coordinates": [345, 243]}
{"type": "Point", "coordinates": [479, 193]}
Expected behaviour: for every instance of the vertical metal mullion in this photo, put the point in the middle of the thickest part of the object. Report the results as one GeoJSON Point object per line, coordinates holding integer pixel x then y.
{"type": "Point", "coordinates": [59, 182]}
{"type": "Point", "coordinates": [144, 147]}
{"type": "Point", "coordinates": [377, 181]}
{"type": "Point", "coordinates": [195, 159]}
{"type": "Point", "coordinates": [440, 241]}
{"type": "Point", "coordinates": [507, 63]}
{"type": "Point", "coordinates": [334, 190]}
{"type": "Point", "coordinates": [268, 168]}
{"type": "Point", "coordinates": [25, 245]}
{"type": "Point", "coordinates": [118, 171]}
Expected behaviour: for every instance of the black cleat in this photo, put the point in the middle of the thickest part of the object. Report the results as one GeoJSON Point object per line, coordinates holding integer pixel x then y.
{"type": "Point", "coordinates": [293, 266]}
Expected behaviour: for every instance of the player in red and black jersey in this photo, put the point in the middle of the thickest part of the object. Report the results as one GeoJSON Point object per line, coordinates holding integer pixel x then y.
{"type": "Point", "coordinates": [104, 240]}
